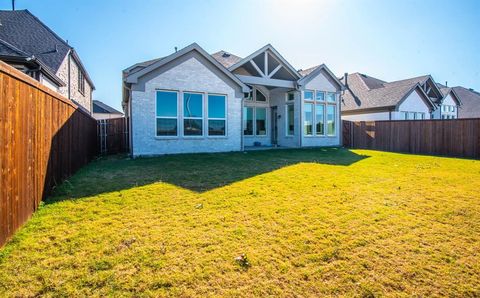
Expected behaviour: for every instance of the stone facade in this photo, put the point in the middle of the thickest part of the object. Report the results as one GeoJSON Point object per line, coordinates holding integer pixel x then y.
{"type": "Point", "coordinates": [191, 74]}
{"type": "Point", "coordinates": [84, 99]}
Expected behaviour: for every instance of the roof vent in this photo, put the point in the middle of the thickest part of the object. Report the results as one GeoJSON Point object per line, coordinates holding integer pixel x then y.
{"type": "Point", "coordinates": [471, 89]}
{"type": "Point", "coordinates": [225, 55]}
{"type": "Point", "coordinates": [363, 75]}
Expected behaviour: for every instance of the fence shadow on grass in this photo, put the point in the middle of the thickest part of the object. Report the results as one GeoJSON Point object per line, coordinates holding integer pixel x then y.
{"type": "Point", "coordinates": [195, 172]}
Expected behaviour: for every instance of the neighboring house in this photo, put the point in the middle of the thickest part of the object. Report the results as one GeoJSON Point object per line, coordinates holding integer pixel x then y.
{"type": "Point", "coordinates": [367, 98]}
{"type": "Point", "coordinates": [191, 101]}
{"type": "Point", "coordinates": [30, 46]}
{"type": "Point", "coordinates": [450, 104]}
{"type": "Point", "coordinates": [103, 111]}
{"type": "Point", "coordinates": [470, 100]}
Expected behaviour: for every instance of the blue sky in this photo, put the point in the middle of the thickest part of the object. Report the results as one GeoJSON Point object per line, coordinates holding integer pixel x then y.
{"type": "Point", "coordinates": [387, 39]}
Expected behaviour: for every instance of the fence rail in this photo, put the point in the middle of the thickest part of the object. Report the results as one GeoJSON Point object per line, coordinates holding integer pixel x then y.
{"type": "Point", "coordinates": [44, 138]}
{"type": "Point", "coordinates": [455, 137]}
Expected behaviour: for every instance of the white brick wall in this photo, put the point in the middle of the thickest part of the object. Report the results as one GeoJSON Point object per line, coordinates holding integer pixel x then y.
{"type": "Point", "coordinates": [189, 75]}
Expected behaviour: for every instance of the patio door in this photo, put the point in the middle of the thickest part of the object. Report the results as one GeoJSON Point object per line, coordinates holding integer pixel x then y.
{"type": "Point", "coordinates": [274, 126]}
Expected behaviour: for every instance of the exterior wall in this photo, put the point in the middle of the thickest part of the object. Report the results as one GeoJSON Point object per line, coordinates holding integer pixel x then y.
{"type": "Point", "coordinates": [413, 103]}
{"type": "Point", "coordinates": [322, 83]}
{"type": "Point", "coordinates": [190, 73]}
{"type": "Point", "coordinates": [84, 99]}
{"type": "Point", "coordinates": [448, 101]}
{"type": "Point", "coordinates": [48, 83]}
{"type": "Point", "coordinates": [367, 116]}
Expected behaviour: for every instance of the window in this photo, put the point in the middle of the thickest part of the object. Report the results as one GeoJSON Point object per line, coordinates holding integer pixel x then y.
{"type": "Point", "coordinates": [419, 116]}
{"type": "Point", "coordinates": [166, 113]}
{"type": "Point", "coordinates": [261, 121]}
{"type": "Point", "coordinates": [320, 119]}
{"type": "Point", "coordinates": [308, 95]}
{"type": "Point", "coordinates": [290, 96]}
{"type": "Point", "coordinates": [290, 131]}
{"type": "Point", "coordinates": [331, 120]}
{"type": "Point", "coordinates": [411, 115]}
{"type": "Point", "coordinates": [248, 121]}
{"type": "Point", "coordinates": [192, 114]}
{"type": "Point", "coordinates": [259, 96]}
{"type": "Point", "coordinates": [320, 96]}
{"type": "Point", "coordinates": [81, 82]}
{"type": "Point", "coordinates": [216, 115]}
{"type": "Point", "coordinates": [308, 119]}
{"type": "Point", "coordinates": [331, 97]}
{"type": "Point", "coordinates": [405, 115]}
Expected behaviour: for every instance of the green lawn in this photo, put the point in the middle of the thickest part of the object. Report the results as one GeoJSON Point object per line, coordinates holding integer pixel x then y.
{"type": "Point", "coordinates": [310, 222]}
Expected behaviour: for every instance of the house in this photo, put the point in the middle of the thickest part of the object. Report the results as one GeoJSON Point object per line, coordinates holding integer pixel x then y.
{"type": "Point", "coordinates": [450, 104]}
{"type": "Point", "coordinates": [191, 101]}
{"type": "Point", "coordinates": [367, 98]}
{"type": "Point", "coordinates": [30, 46]}
{"type": "Point", "coordinates": [103, 111]}
{"type": "Point", "coordinates": [470, 102]}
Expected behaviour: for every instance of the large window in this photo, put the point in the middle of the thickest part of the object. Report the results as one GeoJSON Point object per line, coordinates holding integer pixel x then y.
{"type": "Point", "coordinates": [248, 121]}
{"type": "Point", "coordinates": [260, 121]}
{"type": "Point", "coordinates": [320, 119]}
{"type": "Point", "coordinates": [166, 113]}
{"type": "Point", "coordinates": [290, 120]}
{"type": "Point", "coordinates": [319, 113]}
{"type": "Point", "coordinates": [192, 114]}
{"type": "Point", "coordinates": [331, 120]}
{"type": "Point", "coordinates": [81, 82]}
{"type": "Point", "coordinates": [308, 119]}
{"type": "Point", "coordinates": [216, 115]}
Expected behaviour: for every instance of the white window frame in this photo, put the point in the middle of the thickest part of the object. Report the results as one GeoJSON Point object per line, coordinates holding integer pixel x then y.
{"type": "Point", "coordinates": [255, 121]}
{"type": "Point", "coordinates": [325, 103]}
{"type": "Point", "coordinates": [168, 117]}
{"type": "Point", "coordinates": [287, 134]}
{"type": "Point", "coordinates": [208, 118]}
{"type": "Point", "coordinates": [244, 114]}
{"type": "Point", "coordinates": [255, 89]}
{"type": "Point", "coordinates": [193, 118]}
{"type": "Point", "coordinates": [286, 97]}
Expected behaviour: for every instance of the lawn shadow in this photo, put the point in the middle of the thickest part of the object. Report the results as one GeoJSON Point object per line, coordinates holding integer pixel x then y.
{"type": "Point", "coordinates": [195, 172]}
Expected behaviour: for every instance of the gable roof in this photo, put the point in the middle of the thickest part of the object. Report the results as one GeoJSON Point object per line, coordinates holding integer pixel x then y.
{"type": "Point", "coordinates": [133, 76]}
{"type": "Point", "coordinates": [312, 72]}
{"type": "Point", "coordinates": [448, 90]}
{"type": "Point", "coordinates": [470, 99]}
{"type": "Point", "coordinates": [269, 47]}
{"type": "Point", "coordinates": [100, 107]}
{"type": "Point", "coordinates": [360, 95]}
{"type": "Point", "coordinates": [24, 32]}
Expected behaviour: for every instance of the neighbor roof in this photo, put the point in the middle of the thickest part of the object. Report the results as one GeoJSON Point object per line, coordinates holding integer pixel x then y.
{"type": "Point", "coordinates": [470, 100]}
{"type": "Point", "coordinates": [100, 107]}
{"type": "Point", "coordinates": [366, 92]}
{"type": "Point", "coordinates": [24, 35]}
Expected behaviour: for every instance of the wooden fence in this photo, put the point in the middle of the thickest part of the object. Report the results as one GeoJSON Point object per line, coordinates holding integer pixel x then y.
{"type": "Point", "coordinates": [113, 135]}
{"type": "Point", "coordinates": [458, 137]}
{"type": "Point", "coordinates": [44, 138]}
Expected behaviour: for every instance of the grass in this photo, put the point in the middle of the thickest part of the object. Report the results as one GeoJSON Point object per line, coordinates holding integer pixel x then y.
{"type": "Point", "coordinates": [268, 223]}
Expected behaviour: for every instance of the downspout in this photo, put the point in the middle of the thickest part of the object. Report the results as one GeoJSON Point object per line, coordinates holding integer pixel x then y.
{"type": "Point", "coordinates": [68, 70]}
{"type": "Point", "coordinates": [242, 102]}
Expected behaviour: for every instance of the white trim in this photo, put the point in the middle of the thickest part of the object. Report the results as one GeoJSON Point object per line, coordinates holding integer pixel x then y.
{"type": "Point", "coordinates": [266, 82]}
{"type": "Point", "coordinates": [257, 68]}
{"type": "Point", "coordinates": [270, 75]}
{"type": "Point", "coordinates": [225, 115]}
{"type": "Point", "coordinates": [325, 104]}
{"type": "Point", "coordinates": [169, 117]}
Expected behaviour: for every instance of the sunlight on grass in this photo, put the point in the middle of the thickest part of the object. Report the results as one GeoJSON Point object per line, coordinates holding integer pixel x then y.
{"type": "Point", "coordinates": [287, 222]}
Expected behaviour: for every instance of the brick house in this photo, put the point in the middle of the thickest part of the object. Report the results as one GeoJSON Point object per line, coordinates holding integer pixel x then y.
{"type": "Point", "coordinates": [191, 101]}
{"type": "Point", "coordinates": [30, 46]}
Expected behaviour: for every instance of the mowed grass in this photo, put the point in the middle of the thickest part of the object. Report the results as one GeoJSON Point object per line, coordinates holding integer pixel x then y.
{"type": "Point", "coordinates": [310, 223]}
